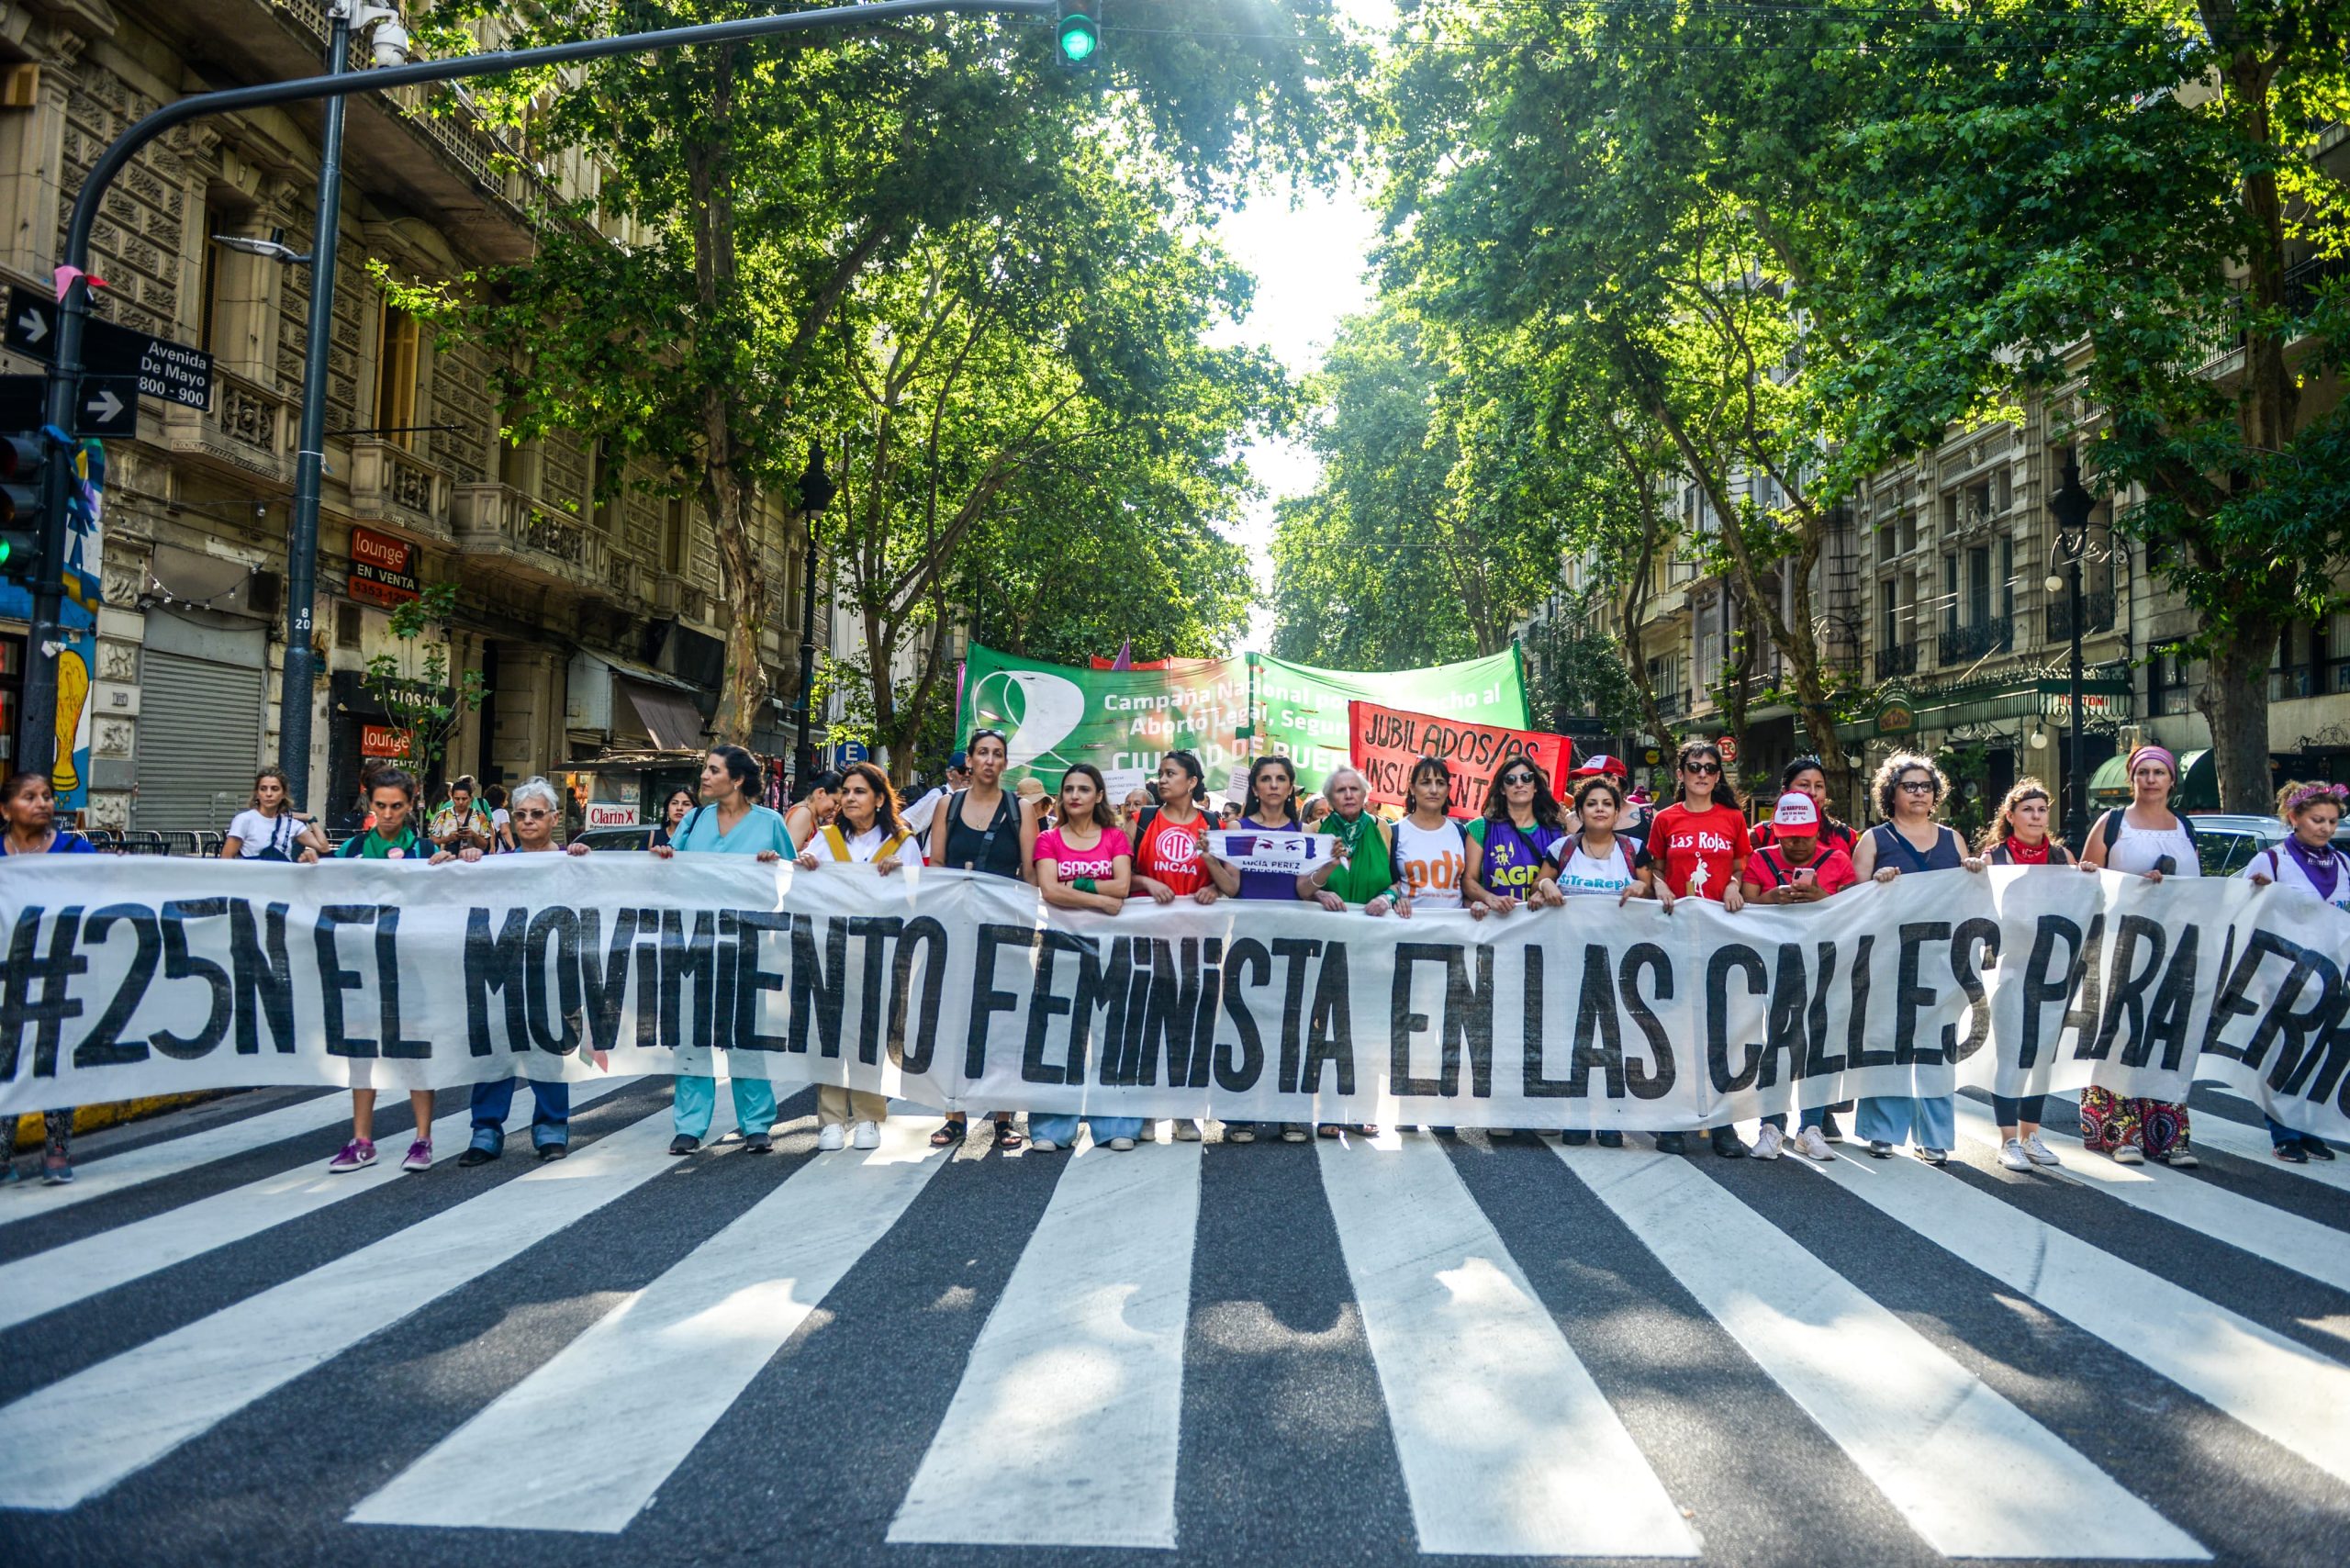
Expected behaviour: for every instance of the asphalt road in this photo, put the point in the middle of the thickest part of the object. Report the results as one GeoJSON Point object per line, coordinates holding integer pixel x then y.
{"type": "Point", "coordinates": [1465, 1346]}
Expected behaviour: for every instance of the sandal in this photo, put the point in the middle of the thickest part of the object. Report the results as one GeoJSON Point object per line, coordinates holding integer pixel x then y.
{"type": "Point", "coordinates": [1008, 1137]}
{"type": "Point", "coordinates": [949, 1133]}
{"type": "Point", "coordinates": [1327, 1129]}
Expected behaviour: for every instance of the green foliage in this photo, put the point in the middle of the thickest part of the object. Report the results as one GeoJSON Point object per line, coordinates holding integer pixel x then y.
{"type": "Point", "coordinates": [413, 683]}
{"type": "Point", "coordinates": [1583, 671]}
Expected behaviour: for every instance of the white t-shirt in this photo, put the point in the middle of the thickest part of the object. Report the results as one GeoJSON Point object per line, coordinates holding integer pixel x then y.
{"type": "Point", "coordinates": [1582, 874]}
{"type": "Point", "coordinates": [1433, 860]}
{"type": "Point", "coordinates": [2277, 865]}
{"type": "Point", "coordinates": [256, 832]}
{"type": "Point", "coordinates": [2138, 848]}
{"type": "Point", "coordinates": [917, 816]}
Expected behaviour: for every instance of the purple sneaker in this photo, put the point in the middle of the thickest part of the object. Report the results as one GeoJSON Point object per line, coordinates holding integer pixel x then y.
{"type": "Point", "coordinates": [419, 1155]}
{"type": "Point", "coordinates": [356, 1154]}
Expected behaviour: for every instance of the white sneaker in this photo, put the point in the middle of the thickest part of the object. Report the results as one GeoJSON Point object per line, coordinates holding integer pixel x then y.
{"type": "Point", "coordinates": [2038, 1152]}
{"type": "Point", "coordinates": [1812, 1145]}
{"type": "Point", "coordinates": [1122, 1144]}
{"type": "Point", "coordinates": [1768, 1143]}
{"type": "Point", "coordinates": [865, 1134]}
{"type": "Point", "coordinates": [2128, 1154]}
{"type": "Point", "coordinates": [1044, 1146]}
{"type": "Point", "coordinates": [833, 1136]}
{"type": "Point", "coordinates": [1186, 1130]}
{"type": "Point", "coordinates": [2012, 1155]}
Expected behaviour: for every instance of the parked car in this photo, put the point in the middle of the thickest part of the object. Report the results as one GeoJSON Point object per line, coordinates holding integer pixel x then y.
{"type": "Point", "coordinates": [638, 836]}
{"type": "Point", "coordinates": [2226, 841]}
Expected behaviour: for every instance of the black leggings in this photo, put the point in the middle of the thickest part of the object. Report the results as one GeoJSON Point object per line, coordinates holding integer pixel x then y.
{"type": "Point", "coordinates": [2013, 1113]}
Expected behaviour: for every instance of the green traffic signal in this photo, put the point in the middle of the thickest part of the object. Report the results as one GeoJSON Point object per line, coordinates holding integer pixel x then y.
{"type": "Point", "coordinates": [1081, 33]}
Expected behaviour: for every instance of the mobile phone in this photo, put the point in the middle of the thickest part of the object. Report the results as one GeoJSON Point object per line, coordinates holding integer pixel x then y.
{"type": "Point", "coordinates": [2167, 865]}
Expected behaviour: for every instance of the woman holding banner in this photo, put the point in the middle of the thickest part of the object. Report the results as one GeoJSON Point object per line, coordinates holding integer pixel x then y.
{"type": "Point", "coordinates": [1909, 790]}
{"type": "Point", "coordinates": [1169, 838]}
{"type": "Point", "coordinates": [865, 833]}
{"type": "Point", "coordinates": [1596, 861]}
{"type": "Point", "coordinates": [1796, 866]}
{"type": "Point", "coordinates": [2018, 835]}
{"type": "Point", "coordinates": [1701, 843]}
{"type": "Point", "coordinates": [2309, 862]}
{"type": "Point", "coordinates": [1272, 794]}
{"type": "Point", "coordinates": [1361, 871]}
{"type": "Point", "coordinates": [2146, 839]}
{"type": "Point", "coordinates": [979, 829]}
{"type": "Point", "coordinates": [729, 821]}
{"type": "Point", "coordinates": [30, 806]}
{"type": "Point", "coordinates": [1083, 862]}
{"type": "Point", "coordinates": [1512, 843]}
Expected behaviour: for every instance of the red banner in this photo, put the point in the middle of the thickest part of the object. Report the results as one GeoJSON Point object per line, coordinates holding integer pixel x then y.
{"type": "Point", "coordinates": [1385, 741]}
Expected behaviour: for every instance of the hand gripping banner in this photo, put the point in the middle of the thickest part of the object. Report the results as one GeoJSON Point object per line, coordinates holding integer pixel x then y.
{"type": "Point", "coordinates": [136, 977]}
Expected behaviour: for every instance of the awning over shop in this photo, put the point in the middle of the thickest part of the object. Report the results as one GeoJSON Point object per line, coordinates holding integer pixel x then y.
{"type": "Point", "coordinates": [667, 714]}
{"type": "Point", "coordinates": [2106, 700]}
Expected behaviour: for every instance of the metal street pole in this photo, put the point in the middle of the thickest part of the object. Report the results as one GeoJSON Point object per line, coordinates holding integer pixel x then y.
{"type": "Point", "coordinates": [815, 493]}
{"type": "Point", "coordinates": [37, 731]}
{"type": "Point", "coordinates": [301, 677]}
{"type": "Point", "coordinates": [2071, 506]}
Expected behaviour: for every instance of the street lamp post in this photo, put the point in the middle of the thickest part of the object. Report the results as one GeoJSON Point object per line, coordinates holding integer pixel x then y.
{"type": "Point", "coordinates": [816, 489]}
{"type": "Point", "coordinates": [2071, 506]}
{"type": "Point", "coordinates": [37, 731]}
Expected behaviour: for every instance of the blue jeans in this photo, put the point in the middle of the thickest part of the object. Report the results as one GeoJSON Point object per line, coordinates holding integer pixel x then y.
{"type": "Point", "coordinates": [2282, 1136]}
{"type": "Point", "coordinates": [697, 1101]}
{"type": "Point", "coordinates": [1932, 1120]}
{"type": "Point", "coordinates": [549, 1112]}
{"type": "Point", "coordinates": [1062, 1129]}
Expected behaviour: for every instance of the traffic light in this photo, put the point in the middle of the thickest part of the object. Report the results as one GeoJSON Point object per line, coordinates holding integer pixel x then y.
{"type": "Point", "coordinates": [21, 458]}
{"type": "Point", "coordinates": [1081, 33]}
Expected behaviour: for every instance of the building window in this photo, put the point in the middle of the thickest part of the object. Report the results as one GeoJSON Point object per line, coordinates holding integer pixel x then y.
{"type": "Point", "coordinates": [2169, 676]}
{"type": "Point", "coordinates": [1889, 614]}
{"type": "Point", "coordinates": [673, 537]}
{"type": "Point", "coordinates": [2007, 579]}
{"type": "Point", "coordinates": [2296, 669]}
{"type": "Point", "coordinates": [1950, 596]}
{"type": "Point", "coordinates": [1978, 585]}
{"type": "Point", "coordinates": [397, 349]}
{"type": "Point", "coordinates": [208, 282]}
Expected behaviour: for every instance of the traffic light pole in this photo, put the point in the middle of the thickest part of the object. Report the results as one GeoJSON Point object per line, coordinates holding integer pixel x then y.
{"type": "Point", "coordinates": [37, 730]}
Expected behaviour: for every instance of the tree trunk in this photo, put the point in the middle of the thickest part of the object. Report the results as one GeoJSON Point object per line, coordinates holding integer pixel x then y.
{"type": "Point", "coordinates": [2235, 703]}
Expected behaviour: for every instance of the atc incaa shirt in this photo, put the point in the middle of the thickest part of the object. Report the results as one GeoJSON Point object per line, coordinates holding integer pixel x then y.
{"type": "Point", "coordinates": [1701, 851]}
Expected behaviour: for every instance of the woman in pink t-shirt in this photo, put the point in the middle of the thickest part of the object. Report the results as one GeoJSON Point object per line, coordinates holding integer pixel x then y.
{"type": "Point", "coordinates": [1085, 861]}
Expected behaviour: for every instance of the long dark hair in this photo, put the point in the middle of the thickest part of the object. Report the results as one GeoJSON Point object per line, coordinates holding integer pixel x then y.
{"type": "Point", "coordinates": [1725, 792]}
{"type": "Point", "coordinates": [1289, 771]}
{"type": "Point", "coordinates": [740, 765]}
{"type": "Point", "coordinates": [1104, 818]}
{"type": "Point", "coordinates": [885, 796]}
{"type": "Point", "coordinates": [1189, 763]}
{"type": "Point", "coordinates": [1439, 768]}
{"type": "Point", "coordinates": [1546, 805]}
{"type": "Point", "coordinates": [670, 799]}
{"type": "Point", "coordinates": [1796, 770]}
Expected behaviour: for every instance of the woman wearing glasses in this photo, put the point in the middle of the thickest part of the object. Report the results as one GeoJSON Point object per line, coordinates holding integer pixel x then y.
{"type": "Point", "coordinates": [531, 812]}
{"type": "Point", "coordinates": [979, 829]}
{"type": "Point", "coordinates": [1908, 790]}
{"type": "Point", "coordinates": [1272, 795]}
{"type": "Point", "coordinates": [1700, 844]}
{"type": "Point", "coordinates": [1512, 843]}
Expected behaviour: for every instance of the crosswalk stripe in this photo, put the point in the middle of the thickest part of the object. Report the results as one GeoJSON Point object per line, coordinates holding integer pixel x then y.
{"type": "Point", "coordinates": [1063, 1430]}
{"type": "Point", "coordinates": [2287, 1239]}
{"type": "Point", "coordinates": [2253, 1143]}
{"type": "Point", "coordinates": [698, 1335]}
{"type": "Point", "coordinates": [79, 1270]}
{"type": "Point", "coordinates": [1507, 1445]}
{"type": "Point", "coordinates": [114, 1419]}
{"type": "Point", "coordinates": [2287, 1392]}
{"type": "Point", "coordinates": [1974, 1475]}
{"type": "Point", "coordinates": [169, 1157]}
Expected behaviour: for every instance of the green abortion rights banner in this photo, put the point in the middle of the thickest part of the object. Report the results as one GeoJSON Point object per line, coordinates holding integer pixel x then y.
{"type": "Point", "coordinates": [1123, 720]}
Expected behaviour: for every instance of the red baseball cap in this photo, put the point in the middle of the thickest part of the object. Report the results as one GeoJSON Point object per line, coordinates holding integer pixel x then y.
{"type": "Point", "coordinates": [1593, 766]}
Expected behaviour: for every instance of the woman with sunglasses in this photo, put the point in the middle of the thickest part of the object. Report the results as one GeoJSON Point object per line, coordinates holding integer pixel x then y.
{"type": "Point", "coordinates": [2018, 835]}
{"type": "Point", "coordinates": [1700, 844]}
{"type": "Point", "coordinates": [2148, 839]}
{"type": "Point", "coordinates": [1513, 841]}
{"type": "Point", "coordinates": [1909, 790]}
{"type": "Point", "coordinates": [533, 812]}
{"type": "Point", "coordinates": [979, 829]}
{"type": "Point", "coordinates": [1272, 795]}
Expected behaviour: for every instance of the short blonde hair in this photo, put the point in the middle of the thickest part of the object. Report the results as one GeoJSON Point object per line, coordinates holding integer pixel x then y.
{"type": "Point", "coordinates": [1887, 782]}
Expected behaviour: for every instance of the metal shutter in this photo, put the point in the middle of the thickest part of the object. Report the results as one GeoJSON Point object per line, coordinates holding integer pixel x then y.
{"type": "Point", "coordinates": [200, 736]}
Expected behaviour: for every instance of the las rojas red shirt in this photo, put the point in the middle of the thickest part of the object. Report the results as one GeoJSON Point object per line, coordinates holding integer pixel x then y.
{"type": "Point", "coordinates": [1715, 841]}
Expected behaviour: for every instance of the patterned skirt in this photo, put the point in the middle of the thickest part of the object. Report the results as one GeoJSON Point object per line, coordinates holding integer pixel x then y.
{"type": "Point", "coordinates": [2109, 1121]}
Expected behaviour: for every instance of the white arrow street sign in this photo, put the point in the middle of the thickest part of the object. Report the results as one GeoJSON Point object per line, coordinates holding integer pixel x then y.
{"type": "Point", "coordinates": [105, 406]}
{"type": "Point", "coordinates": [35, 324]}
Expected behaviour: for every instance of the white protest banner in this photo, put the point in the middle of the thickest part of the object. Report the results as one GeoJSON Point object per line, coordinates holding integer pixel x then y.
{"type": "Point", "coordinates": [1120, 782]}
{"type": "Point", "coordinates": [1235, 787]}
{"type": "Point", "coordinates": [1294, 853]}
{"type": "Point", "coordinates": [128, 977]}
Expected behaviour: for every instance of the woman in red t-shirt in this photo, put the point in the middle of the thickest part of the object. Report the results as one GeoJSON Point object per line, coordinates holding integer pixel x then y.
{"type": "Point", "coordinates": [1169, 838]}
{"type": "Point", "coordinates": [1700, 843]}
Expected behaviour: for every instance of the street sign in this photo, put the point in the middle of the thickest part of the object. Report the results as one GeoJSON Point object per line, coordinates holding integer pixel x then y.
{"type": "Point", "coordinates": [174, 371]}
{"type": "Point", "coordinates": [105, 405]}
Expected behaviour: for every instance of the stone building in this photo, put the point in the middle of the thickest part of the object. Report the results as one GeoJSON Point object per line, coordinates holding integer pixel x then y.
{"type": "Point", "coordinates": [597, 627]}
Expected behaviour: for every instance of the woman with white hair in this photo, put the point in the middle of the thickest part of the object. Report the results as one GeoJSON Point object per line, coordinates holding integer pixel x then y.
{"type": "Point", "coordinates": [532, 811]}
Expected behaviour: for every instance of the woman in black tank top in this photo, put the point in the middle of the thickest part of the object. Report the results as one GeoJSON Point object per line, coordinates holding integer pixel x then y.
{"type": "Point", "coordinates": [998, 848]}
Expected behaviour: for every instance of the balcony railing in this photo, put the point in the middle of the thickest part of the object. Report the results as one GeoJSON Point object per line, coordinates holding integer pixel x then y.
{"type": "Point", "coordinates": [249, 429]}
{"type": "Point", "coordinates": [1962, 645]}
{"type": "Point", "coordinates": [391, 487]}
{"type": "Point", "coordinates": [515, 536]}
{"type": "Point", "coordinates": [1895, 661]}
{"type": "Point", "coordinates": [2097, 615]}
{"type": "Point", "coordinates": [1672, 704]}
